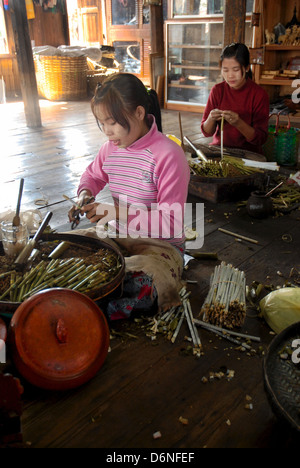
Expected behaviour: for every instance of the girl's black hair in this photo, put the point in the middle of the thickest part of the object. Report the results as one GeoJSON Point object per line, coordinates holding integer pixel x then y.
{"type": "Point", "coordinates": [240, 53]}
{"type": "Point", "coordinates": [121, 94]}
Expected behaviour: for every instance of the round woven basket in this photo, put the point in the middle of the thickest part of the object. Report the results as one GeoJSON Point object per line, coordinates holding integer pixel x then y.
{"type": "Point", "coordinates": [61, 78]}
{"type": "Point", "coordinates": [282, 378]}
{"type": "Point", "coordinates": [95, 77]}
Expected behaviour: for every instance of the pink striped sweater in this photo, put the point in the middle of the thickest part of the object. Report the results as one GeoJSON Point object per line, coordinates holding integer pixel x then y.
{"type": "Point", "coordinates": [152, 174]}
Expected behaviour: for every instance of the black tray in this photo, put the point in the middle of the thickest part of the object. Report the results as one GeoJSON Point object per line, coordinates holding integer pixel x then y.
{"type": "Point", "coordinates": [282, 378]}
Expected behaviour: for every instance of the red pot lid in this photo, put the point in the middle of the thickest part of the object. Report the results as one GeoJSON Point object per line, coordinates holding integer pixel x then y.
{"type": "Point", "coordinates": [3, 330]}
{"type": "Point", "coordinates": [59, 339]}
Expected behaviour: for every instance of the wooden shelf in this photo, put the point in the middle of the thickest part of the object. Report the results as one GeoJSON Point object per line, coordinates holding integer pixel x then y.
{"type": "Point", "coordinates": [195, 67]}
{"type": "Point", "coordinates": [194, 46]}
{"type": "Point", "coordinates": [173, 85]}
{"type": "Point", "coordinates": [276, 56]}
{"type": "Point", "coordinates": [276, 82]}
{"type": "Point", "coordinates": [283, 48]}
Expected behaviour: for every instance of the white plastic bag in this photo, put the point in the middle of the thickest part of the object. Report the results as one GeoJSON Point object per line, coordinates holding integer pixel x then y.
{"type": "Point", "coordinates": [281, 308]}
{"type": "Point", "coordinates": [32, 218]}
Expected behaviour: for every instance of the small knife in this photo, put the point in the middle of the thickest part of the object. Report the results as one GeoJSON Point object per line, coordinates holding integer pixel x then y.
{"type": "Point", "coordinates": [199, 153]}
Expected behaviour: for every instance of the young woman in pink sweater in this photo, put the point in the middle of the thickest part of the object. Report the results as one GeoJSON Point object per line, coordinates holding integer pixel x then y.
{"type": "Point", "coordinates": [147, 173]}
{"type": "Point", "coordinates": [243, 104]}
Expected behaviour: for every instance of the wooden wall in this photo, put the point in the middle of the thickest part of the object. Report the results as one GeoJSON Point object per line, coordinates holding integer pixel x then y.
{"type": "Point", "coordinates": [46, 28]}
{"type": "Point", "coordinates": [8, 63]}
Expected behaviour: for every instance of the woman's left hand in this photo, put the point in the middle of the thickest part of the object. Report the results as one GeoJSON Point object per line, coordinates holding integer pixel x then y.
{"type": "Point", "coordinates": [90, 211]}
{"type": "Point", "coordinates": [103, 212]}
{"type": "Point", "coordinates": [231, 117]}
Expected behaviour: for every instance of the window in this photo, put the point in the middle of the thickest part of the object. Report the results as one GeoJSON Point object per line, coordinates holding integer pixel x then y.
{"type": "Point", "coordinates": [124, 12]}
{"type": "Point", "coordinates": [202, 7]}
{"type": "Point", "coordinates": [3, 36]}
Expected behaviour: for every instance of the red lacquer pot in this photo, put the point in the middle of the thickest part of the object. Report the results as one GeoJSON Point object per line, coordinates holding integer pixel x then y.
{"type": "Point", "coordinates": [59, 339]}
{"type": "Point", "coordinates": [3, 330]}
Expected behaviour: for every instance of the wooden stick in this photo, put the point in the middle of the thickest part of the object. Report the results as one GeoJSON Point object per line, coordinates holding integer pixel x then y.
{"type": "Point", "coordinates": [222, 138]}
{"type": "Point", "coordinates": [229, 338]}
{"type": "Point", "coordinates": [178, 327]}
{"type": "Point", "coordinates": [273, 190]}
{"type": "Point", "coordinates": [214, 327]}
{"type": "Point", "coordinates": [248, 239]}
{"type": "Point", "coordinates": [181, 132]}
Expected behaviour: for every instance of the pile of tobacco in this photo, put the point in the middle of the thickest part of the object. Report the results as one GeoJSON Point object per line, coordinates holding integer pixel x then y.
{"type": "Point", "coordinates": [227, 167]}
{"type": "Point", "coordinates": [78, 268]}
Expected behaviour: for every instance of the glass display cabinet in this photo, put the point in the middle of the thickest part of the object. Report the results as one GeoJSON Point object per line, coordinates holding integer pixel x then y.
{"type": "Point", "coordinates": [192, 62]}
{"type": "Point", "coordinates": [200, 8]}
{"type": "Point", "coordinates": [194, 37]}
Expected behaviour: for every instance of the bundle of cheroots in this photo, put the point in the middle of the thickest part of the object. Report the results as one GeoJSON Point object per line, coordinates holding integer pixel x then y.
{"type": "Point", "coordinates": [225, 305]}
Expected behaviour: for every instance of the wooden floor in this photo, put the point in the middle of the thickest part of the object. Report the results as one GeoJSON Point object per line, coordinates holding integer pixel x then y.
{"type": "Point", "coordinates": [146, 386]}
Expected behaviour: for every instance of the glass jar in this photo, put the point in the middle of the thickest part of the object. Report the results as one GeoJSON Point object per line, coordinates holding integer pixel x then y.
{"type": "Point", "coordinates": [14, 238]}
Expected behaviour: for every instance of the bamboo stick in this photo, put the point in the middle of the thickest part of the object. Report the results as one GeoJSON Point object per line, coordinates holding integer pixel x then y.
{"type": "Point", "coordinates": [248, 239]}
{"type": "Point", "coordinates": [230, 332]}
{"type": "Point", "coordinates": [229, 338]}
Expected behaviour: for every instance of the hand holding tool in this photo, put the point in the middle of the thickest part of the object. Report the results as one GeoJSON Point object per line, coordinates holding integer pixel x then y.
{"type": "Point", "coordinates": [76, 214]}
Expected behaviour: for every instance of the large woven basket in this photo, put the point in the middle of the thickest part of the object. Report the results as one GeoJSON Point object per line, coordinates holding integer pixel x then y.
{"type": "Point", "coordinates": [61, 78]}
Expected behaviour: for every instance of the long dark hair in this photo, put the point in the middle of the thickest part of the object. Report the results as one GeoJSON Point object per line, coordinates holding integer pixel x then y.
{"type": "Point", "coordinates": [121, 94]}
{"type": "Point", "coordinates": [240, 53]}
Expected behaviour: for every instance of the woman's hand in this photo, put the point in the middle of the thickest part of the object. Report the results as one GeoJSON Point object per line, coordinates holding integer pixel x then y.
{"type": "Point", "coordinates": [216, 115]}
{"type": "Point", "coordinates": [101, 212]}
{"type": "Point", "coordinates": [82, 199]}
{"type": "Point", "coordinates": [91, 211]}
{"type": "Point", "coordinates": [211, 122]}
{"type": "Point", "coordinates": [231, 117]}
{"type": "Point", "coordinates": [234, 119]}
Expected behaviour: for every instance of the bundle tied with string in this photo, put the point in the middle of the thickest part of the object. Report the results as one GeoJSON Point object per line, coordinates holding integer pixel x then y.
{"type": "Point", "coordinates": [225, 305]}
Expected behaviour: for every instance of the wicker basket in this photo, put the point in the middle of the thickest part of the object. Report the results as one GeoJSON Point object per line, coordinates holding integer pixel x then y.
{"type": "Point", "coordinates": [97, 76]}
{"type": "Point", "coordinates": [93, 78]}
{"type": "Point", "coordinates": [61, 78]}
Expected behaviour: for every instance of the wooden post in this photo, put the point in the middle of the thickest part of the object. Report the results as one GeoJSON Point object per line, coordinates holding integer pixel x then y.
{"type": "Point", "coordinates": [234, 21]}
{"type": "Point", "coordinates": [25, 62]}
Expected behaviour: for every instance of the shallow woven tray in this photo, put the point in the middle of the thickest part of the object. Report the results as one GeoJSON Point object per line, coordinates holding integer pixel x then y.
{"type": "Point", "coordinates": [8, 308]}
{"type": "Point", "coordinates": [282, 378]}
